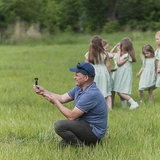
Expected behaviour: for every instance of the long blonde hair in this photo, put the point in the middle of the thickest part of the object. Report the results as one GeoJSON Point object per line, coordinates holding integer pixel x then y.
{"type": "Point", "coordinates": [96, 50]}
{"type": "Point", "coordinates": [126, 45]}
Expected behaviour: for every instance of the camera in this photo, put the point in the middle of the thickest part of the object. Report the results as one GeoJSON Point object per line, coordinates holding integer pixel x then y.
{"type": "Point", "coordinates": [36, 81]}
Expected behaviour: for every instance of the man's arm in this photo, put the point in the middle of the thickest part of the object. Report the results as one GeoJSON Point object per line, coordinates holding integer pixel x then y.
{"type": "Point", "coordinates": [58, 100]}
{"type": "Point", "coordinates": [41, 91]}
{"type": "Point", "coordinates": [69, 114]}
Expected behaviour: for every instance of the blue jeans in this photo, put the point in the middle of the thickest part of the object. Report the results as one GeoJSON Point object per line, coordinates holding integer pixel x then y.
{"type": "Point", "coordinates": [75, 132]}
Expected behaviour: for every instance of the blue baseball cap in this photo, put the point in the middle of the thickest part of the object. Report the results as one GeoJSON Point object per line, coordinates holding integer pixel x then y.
{"type": "Point", "coordinates": [85, 68]}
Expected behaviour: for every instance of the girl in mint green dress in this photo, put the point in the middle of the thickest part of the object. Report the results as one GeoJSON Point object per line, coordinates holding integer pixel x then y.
{"type": "Point", "coordinates": [123, 76]}
{"type": "Point", "coordinates": [98, 58]}
{"type": "Point", "coordinates": [157, 56]}
{"type": "Point", "coordinates": [147, 73]}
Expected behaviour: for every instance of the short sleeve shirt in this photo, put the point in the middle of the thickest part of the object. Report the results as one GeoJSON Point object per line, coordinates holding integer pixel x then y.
{"type": "Point", "coordinates": [93, 104]}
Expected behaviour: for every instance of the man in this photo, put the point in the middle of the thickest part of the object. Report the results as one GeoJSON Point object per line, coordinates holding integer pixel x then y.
{"type": "Point", "coordinates": [87, 122]}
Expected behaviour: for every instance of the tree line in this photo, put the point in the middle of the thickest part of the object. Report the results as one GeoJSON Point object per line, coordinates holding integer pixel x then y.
{"type": "Point", "coordinates": [82, 15]}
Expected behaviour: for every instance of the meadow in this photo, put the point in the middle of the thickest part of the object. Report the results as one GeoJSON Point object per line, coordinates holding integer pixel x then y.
{"type": "Point", "coordinates": [26, 119]}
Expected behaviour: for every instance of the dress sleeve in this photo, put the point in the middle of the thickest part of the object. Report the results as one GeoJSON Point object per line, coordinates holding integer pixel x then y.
{"type": "Point", "coordinates": [86, 55]}
{"type": "Point", "coordinates": [126, 56]}
{"type": "Point", "coordinates": [157, 54]}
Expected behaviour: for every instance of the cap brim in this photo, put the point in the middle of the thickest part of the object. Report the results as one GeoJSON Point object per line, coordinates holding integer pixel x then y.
{"type": "Point", "coordinates": [74, 69]}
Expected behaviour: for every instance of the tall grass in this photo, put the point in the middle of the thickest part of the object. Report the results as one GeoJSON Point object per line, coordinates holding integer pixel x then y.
{"type": "Point", "coordinates": [26, 119]}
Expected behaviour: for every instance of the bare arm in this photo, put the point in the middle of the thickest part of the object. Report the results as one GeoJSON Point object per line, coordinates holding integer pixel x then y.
{"type": "Point", "coordinates": [107, 63]}
{"type": "Point", "coordinates": [139, 73]}
{"type": "Point", "coordinates": [41, 91]}
{"type": "Point", "coordinates": [69, 114]}
{"type": "Point", "coordinates": [157, 66]}
{"type": "Point", "coordinates": [121, 61]}
{"type": "Point", "coordinates": [58, 100]}
{"type": "Point", "coordinates": [115, 47]}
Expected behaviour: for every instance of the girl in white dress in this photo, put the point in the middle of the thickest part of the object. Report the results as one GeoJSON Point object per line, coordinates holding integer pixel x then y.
{"type": "Point", "coordinates": [148, 72]}
{"type": "Point", "coordinates": [123, 76]}
{"type": "Point", "coordinates": [99, 59]}
{"type": "Point", "coordinates": [157, 56]}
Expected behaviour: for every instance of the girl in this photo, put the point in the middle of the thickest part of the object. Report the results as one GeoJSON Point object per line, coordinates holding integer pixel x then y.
{"type": "Point", "coordinates": [147, 72]}
{"type": "Point", "coordinates": [98, 58]}
{"type": "Point", "coordinates": [115, 51]}
{"type": "Point", "coordinates": [157, 56]}
{"type": "Point", "coordinates": [123, 76]}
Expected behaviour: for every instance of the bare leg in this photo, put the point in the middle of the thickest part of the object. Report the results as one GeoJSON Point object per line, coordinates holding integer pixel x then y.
{"type": "Point", "coordinates": [113, 96]}
{"type": "Point", "coordinates": [150, 92]}
{"type": "Point", "coordinates": [130, 100]}
{"type": "Point", "coordinates": [141, 95]}
{"type": "Point", "coordinates": [123, 101]}
{"type": "Point", "coordinates": [124, 96]}
{"type": "Point", "coordinates": [109, 102]}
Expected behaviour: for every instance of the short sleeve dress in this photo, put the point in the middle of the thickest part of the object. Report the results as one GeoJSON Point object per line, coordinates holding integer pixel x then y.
{"type": "Point", "coordinates": [157, 56]}
{"type": "Point", "coordinates": [122, 82]}
{"type": "Point", "coordinates": [148, 76]}
{"type": "Point", "coordinates": [102, 77]}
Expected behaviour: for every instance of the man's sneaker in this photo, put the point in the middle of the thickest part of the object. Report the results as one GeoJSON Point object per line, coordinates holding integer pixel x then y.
{"type": "Point", "coordinates": [133, 106]}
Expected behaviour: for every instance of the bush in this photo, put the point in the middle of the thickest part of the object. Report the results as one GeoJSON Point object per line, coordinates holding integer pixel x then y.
{"type": "Point", "coordinates": [156, 26]}
{"type": "Point", "coordinates": [21, 32]}
{"type": "Point", "coordinates": [111, 26]}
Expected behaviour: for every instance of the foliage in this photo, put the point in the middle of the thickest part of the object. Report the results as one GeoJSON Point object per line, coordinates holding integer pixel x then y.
{"type": "Point", "coordinates": [69, 14]}
{"type": "Point", "coordinates": [111, 27]}
{"type": "Point", "coordinates": [82, 15]}
{"type": "Point", "coordinates": [95, 14]}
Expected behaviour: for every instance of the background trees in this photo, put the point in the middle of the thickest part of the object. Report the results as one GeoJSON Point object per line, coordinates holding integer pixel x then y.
{"type": "Point", "coordinates": [82, 15]}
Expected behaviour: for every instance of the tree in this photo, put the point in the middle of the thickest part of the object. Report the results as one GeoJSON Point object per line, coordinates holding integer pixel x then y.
{"type": "Point", "coordinates": [69, 14]}
{"type": "Point", "coordinates": [95, 14]}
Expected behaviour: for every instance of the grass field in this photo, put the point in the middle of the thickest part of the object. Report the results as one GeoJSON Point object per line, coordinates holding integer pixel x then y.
{"type": "Point", "coordinates": [26, 119]}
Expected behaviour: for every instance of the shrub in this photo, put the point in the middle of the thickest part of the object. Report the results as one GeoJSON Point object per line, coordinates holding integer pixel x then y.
{"type": "Point", "coordinates": [111, 26]}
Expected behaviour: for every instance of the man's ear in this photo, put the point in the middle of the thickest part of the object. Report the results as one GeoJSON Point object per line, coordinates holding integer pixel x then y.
{"type": "Point", "coordinates": [86, 78]}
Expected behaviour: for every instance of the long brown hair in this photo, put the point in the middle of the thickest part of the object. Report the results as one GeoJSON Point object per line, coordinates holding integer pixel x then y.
{"type": "Point", "coordinates": [96, 50]}
{"type": "Point", "coordinates": [126, 45]}
{"type": "Point", "coordinates": [147, 48]}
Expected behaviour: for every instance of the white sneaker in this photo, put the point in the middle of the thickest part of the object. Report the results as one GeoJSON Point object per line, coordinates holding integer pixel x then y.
{"type": "Point", "coordinates": [133, 106]}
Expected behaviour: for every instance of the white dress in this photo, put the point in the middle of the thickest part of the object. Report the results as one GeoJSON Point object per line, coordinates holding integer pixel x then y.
{"type": "Point", "coordinates": [102, 77]}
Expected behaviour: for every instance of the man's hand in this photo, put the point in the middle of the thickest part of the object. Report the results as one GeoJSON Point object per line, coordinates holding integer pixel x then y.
{"type": "Point", "coordinates": [38, 89]}
{"type": "Point", "coordinates": [51, 98]}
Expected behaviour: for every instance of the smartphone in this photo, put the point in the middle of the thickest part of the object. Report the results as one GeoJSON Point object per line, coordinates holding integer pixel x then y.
{"type": "Point", "coordinates": [36, 81]}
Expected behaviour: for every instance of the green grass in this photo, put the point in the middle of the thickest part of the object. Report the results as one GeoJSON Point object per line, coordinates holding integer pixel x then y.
{"type": "Point", "coordinates": [26, 119]}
